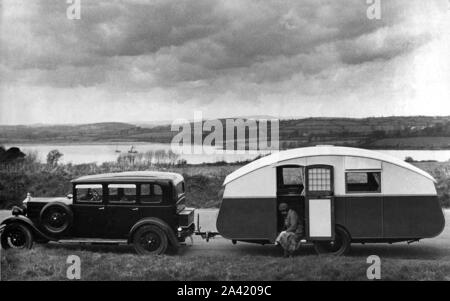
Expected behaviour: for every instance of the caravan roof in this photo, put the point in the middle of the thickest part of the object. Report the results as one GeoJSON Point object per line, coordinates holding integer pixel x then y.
{"type": "Point", "coordinates": [281, 156]}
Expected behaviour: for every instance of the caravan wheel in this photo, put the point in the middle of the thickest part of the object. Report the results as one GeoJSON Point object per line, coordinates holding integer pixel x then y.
{"type": "Point", "coordinates": [339, 246]}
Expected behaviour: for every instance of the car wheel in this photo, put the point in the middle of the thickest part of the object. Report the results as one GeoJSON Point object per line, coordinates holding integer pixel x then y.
{"type": "Point", "coordinates": [339, 246]}
{"type": "Point", "coordinates": [150, 240]}
{"type": "Point", "coordinates": [56, 218]}
{"type": "Point", "coordinates": [17, 236]}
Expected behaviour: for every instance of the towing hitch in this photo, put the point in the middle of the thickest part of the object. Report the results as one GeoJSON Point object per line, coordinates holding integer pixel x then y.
{"type": "Point", "coordinates": [206, 234]}
{"type": "Point", "coordinates": [413, 240]}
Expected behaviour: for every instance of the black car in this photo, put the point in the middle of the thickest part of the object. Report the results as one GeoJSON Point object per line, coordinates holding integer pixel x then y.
{"type": "Point", "coordinates": [145, 209]}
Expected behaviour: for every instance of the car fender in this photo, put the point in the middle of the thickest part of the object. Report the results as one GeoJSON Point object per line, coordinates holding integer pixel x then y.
{"type": "Point", "coordinates": [26, 221]}
{"type": "Point", "coordinates": [156, 222]}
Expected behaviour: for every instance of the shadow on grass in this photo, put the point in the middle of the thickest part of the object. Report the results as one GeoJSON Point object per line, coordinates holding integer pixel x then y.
{"type": "Point", "coordinates": [97, 248]}
{"type": "Point", "coordinates": [386, 251]}
{"type": "Point", "coordinates": [400, 251]}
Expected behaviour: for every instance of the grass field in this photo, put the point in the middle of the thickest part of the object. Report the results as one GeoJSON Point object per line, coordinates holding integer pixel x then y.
{"type": "Point", "coordinates": [220, 260]}
{"type": "Point", "coordinates": [412, 143]}
{"type": "Point", "coordinates": [43, 263]}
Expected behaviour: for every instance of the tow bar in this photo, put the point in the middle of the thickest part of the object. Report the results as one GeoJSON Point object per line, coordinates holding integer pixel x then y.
{"type": "Point", "coordinates": [413, 240]}
{"type": "Point", "coordinates": [206, 234]}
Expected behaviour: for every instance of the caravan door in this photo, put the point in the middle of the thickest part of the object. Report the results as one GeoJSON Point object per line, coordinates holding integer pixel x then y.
{"type": "Point", "coordinates": [319, 202]}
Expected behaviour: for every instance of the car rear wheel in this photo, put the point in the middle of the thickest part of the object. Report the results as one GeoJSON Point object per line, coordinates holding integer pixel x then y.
{"type": "Point", "coordinates": [339, 246]}
{"type": "Point", "coordinates": [56, 218]}
{"type": "Point", "coordinates": [150, 240]}
{"type": "Point", "coordinates": [17, 236]}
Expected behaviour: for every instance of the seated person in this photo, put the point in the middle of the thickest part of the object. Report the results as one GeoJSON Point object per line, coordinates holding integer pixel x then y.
{"type": "Point", "coordinates": [87, 196]}
{"type": "Point", "coordinates": [121, 197]}
{"type": "Point", "coordinates": [91, 196]}
{"type": "Point", "coordinates": [289, 239]}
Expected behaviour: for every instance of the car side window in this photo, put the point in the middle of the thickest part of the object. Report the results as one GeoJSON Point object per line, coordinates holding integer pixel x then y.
{"type": "Point", "coordinates": [180, 189]}
{"type": "Point", "coordinates": [151, 193]}
{"type": "Point", "coordinates": [89, 193]}
{"type": "Point", "coordinates": [122, 193]}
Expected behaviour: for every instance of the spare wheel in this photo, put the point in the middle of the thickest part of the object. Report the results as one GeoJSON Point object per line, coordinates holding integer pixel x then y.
{"type": "Point", "coordinates": [56, 218]}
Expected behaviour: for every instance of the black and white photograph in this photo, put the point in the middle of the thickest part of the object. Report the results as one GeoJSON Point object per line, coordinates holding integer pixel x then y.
{"type": "Point", "coordinates": [235, 142]}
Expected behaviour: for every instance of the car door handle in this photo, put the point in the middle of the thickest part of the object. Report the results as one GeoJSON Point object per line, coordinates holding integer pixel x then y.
{"type": "Point", "coordinates": [135, 209]}
{"type": "Point", "coordinates": [101, 208]}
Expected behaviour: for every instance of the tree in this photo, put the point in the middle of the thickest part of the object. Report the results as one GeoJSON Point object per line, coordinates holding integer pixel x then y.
{"type": "Point", "coordinates": [53, 157]}
{"type": "Point", "coordinates": [409, 159]}
{"type": "Point", "coordinates": [12, 154]}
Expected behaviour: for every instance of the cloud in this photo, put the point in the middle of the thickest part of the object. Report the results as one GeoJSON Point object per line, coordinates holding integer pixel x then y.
{"type": "Point", "coordinates": [196, 53]}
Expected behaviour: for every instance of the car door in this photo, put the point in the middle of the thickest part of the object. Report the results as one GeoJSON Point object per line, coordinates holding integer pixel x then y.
{"type": "Point", "coordinates": [122, 210]}
{"type": "Point", "coordinates": [89, 219]}
{"type": "Point", "coordinates": [157, 200]}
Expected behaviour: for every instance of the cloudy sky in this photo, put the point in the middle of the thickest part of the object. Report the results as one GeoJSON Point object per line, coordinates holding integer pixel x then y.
{"type": "Point", "coordinates": [160, 60]}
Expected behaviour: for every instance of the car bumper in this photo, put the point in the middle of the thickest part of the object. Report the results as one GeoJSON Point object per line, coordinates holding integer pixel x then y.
{"type": "Point", "coordinates": [183, 232]}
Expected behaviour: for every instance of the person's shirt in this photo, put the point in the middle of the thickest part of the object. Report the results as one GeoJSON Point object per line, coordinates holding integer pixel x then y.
{"type": "Point", "coordinates": [293, 222]}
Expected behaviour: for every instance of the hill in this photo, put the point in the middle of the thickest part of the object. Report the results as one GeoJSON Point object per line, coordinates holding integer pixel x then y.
{"type": "Point", "coordinates": [414, 132]}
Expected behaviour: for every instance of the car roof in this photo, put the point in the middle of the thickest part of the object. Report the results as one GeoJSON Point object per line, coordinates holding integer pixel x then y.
{"type": "Point", "coordinates": [130, 176]}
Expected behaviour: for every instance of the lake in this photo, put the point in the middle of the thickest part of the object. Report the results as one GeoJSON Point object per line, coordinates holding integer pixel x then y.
{"type": "Point", "coordinates": [106, 152]}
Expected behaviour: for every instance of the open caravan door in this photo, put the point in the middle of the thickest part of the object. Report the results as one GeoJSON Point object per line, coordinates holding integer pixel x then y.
{"type": "Point", "coordinates": [319, 203]}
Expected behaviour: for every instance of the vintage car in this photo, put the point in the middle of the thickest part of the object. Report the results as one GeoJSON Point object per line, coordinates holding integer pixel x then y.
{"type": "Point", "coordinates": [145, 209]}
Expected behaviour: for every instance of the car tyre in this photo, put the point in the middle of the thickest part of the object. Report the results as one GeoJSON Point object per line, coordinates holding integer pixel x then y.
{"type": "Point", "coordinates": [150, 240]}
{"type": "Point", "coordinates": [340, 245]}
{"type": "Point", "coordinates": [56, 218]}
{"type": "Point", "coordinates": [17, 236]}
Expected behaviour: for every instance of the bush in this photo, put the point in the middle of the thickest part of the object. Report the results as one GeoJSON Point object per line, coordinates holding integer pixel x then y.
{"type": "Point", "coordinates": [202, 183]}
{"type": "Point", "coordinates": [443, 190]}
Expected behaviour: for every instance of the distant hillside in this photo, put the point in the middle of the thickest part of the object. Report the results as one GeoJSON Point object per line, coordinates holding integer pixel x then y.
{"type": "Point", "coordinates": [381, 132]}
{"type": "Point", "coordinates": [64, 133]}
{"type": "Point", "coordinates": [416, 132]}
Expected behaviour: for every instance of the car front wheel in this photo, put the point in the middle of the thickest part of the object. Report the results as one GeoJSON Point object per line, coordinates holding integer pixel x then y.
{"type": "Point", "coordinates": [150, 240]}
{"type": "Point", "coordinates": [17, 236]}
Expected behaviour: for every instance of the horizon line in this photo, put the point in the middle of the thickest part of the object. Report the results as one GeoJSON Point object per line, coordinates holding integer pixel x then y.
{"type": "Point", "coordinates": [168, 122]}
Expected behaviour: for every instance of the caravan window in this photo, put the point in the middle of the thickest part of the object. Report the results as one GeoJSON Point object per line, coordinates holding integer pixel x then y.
{"type": "Point", "coordinates": [363, 182]}
{"type": "Point", "coordinates": [290, 179]}
{"type": "Point", "coordinates": [319, 179]}
{"type": "Point", "coordinates": [292, 176]}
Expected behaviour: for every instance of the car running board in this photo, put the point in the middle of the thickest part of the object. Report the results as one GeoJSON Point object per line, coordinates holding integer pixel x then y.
{"type": "Point", "coordinates": [93, 241]}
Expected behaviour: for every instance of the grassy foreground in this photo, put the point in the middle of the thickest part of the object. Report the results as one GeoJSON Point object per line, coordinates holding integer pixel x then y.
{"type": "Point", "coordinates": [43, 263]}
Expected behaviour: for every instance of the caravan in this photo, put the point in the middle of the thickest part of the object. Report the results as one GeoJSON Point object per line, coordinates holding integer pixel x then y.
{"type": "Point", "coordinates": [344, 195]}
